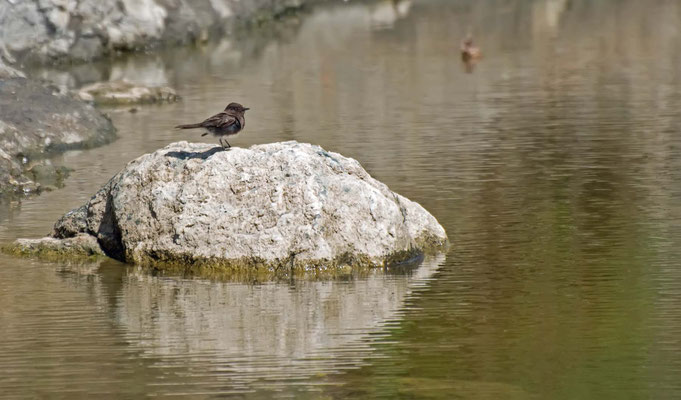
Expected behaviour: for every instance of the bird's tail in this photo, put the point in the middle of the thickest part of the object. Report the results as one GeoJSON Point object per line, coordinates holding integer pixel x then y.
{"type": "Point", "coordinates": [188, 126]}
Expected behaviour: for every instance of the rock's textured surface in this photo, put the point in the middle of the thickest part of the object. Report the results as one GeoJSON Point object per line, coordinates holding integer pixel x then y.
{"type": "Point", "coordinates": [85, 29]}
{"type": "Point", "coordinates": [127, 93]}
{"type": "Point", "coordinates": [282, 205]}
{"type": "Point", "coordinates": [36, 119]}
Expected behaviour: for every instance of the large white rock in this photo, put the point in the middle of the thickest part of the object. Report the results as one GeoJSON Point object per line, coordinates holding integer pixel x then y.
{"type": "Point", "coordinates": [280, 205]}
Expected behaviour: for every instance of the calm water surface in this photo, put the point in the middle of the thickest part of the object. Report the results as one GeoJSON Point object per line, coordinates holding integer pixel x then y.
{"type": "Point", "coordinates": [555, 166]}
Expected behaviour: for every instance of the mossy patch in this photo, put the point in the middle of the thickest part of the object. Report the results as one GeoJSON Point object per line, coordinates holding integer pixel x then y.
{"type": "Point", "coordinates": [56, 250]}
{"type": "Point", "coordinates": [258, 269]}
{"type": "Point", "coordinates": [245, 269]}
{"type": "Point", "coordinates": [50, 255]}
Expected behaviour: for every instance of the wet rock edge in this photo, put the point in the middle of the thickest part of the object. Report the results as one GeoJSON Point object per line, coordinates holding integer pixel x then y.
{"type": "Point", "coordinates": [85, 248]}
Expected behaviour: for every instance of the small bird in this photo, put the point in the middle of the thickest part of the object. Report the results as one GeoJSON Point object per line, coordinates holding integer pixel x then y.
{"type": "Point", "coordinates": [227, 123]}
{"type": "Point", "coordinates": [469, 52]}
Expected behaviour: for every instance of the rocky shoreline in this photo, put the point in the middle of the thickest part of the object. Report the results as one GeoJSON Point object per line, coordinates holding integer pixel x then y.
{"type": "Point", "coordinates": [56, 31]}
{"type": "Point", "coordinates": [38, 119]}
{"type": "Point", "coordinates": [276, 207]}
{"type": "Point", "coordinates": [67, 30]}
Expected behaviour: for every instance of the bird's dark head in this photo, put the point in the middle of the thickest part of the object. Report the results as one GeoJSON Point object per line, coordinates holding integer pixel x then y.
{"type": "Point", "coordinates": [236, 107]}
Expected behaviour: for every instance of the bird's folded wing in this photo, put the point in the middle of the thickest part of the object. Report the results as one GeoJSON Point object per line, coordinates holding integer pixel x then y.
{"type": "Point", "coordinates": [221, 120]}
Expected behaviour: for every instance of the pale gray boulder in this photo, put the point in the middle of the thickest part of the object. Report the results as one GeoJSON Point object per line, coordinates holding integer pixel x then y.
{"type": "Point", "coordinates": [281, 205]}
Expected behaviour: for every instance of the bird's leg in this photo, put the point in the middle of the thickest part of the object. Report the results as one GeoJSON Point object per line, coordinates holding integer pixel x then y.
{"type": "Point", "coordinates": [221, 144]}
{"type": "Point", "coordinates": [229, 146]}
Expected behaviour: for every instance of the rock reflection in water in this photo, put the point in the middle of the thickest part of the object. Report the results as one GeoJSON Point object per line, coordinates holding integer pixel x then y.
{"type": "Point", "coordinates": [110, 329]}
{"type": "Point", "coordinates": [240, 334]}
{"type": "Point", "coordinates": [386, 13]}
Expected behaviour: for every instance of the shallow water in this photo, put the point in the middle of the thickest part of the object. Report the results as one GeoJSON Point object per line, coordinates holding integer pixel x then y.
{"type": "Point", "coordinates": [554, 165]}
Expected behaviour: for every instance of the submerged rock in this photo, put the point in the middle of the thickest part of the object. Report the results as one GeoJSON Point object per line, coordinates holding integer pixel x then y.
{"type": "Point", "coordinates": [78, 248]}
{"type": "Point", "coordinates": [37, 119]}
{"type": "Point", "coordinates": [288, 206]}
{"type": "Point", "coordinates": [127, 93]}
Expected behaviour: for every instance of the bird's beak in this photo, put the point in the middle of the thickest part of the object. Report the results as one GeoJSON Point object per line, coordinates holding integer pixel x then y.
{"type": "Point", "coordinates": [246, 108]}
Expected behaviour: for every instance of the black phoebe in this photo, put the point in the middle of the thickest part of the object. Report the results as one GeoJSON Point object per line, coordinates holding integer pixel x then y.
{"type": "Point", "coordinates": [229, 122]}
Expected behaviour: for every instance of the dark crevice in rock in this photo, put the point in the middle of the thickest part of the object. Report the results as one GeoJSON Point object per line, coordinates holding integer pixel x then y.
{"type": "Point", "coordinates": [109, 233]}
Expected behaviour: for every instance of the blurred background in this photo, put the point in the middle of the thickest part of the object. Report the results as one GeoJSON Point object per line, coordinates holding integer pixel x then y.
{"type": "Point", "coordinates": [553, 162]}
